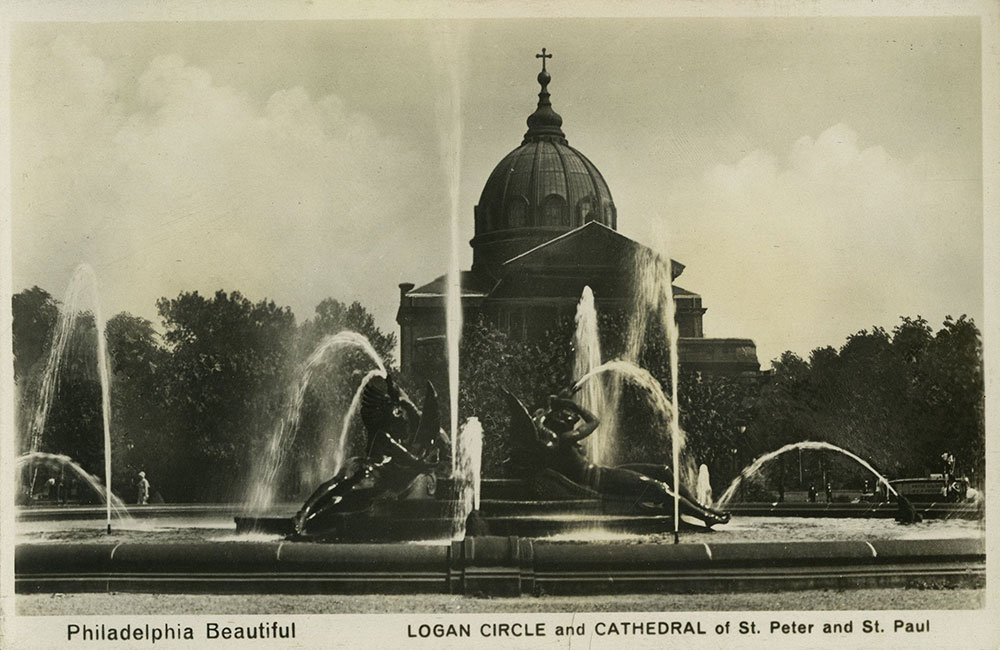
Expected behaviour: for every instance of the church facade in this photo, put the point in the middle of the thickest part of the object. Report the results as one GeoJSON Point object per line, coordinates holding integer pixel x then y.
{"type": "Point", "coordinates": [545, 228]}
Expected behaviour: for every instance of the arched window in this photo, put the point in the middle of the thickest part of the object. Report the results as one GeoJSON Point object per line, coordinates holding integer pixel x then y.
{"type": "Point", "coordinates": [554, 211]}
{"type": "Point", "coordinates": [585, 210]}
{"type": "Point", "coordinates": [517, 212]}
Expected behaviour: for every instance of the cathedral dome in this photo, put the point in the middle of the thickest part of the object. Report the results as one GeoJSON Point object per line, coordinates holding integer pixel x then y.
{"type": "Point", "coordinates": [540, 190]}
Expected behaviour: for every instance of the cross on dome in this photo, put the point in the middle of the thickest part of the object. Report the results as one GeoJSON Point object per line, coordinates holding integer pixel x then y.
{"type": "Point", "coordinates": [544, 122]}
{"type": "Point", "coordinates": [543, 56]}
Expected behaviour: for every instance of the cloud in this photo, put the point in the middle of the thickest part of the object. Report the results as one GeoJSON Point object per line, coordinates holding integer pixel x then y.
{"type": "Point", "coordinates": [166, 178]}
{"type": "Point", "coordinates": [171, 181]}
{"type": "Point", "coordinates": [792, 249]}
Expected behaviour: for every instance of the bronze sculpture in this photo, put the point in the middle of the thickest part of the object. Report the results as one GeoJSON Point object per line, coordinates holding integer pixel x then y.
{"type": "Point", "coordinates": [547, 449]}
{"type": "Point", "coordinates": [404, 447]}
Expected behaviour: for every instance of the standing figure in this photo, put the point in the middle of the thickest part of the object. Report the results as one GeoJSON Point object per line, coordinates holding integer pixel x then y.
{"type": "Point", "coordinates": [829, 492]}
{"type": "Point", "coordinates": [948, 467]}
{"type": "Point", "coordinates": [142, 490]}
{"type": "Point", "coordinates": [812, 493]}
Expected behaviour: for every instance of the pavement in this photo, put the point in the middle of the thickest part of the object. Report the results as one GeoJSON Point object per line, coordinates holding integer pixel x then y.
{"type": "Point", "coordinates": [62, 604]}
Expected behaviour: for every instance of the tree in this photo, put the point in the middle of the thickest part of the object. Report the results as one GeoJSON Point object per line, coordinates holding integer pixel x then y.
{"type": "Point", "coordinates": [713, 408]}
{"type": "Point", "coordinates": [784, 411]}
{"type": "Point", "coordinates": [953, 396]}
{"type": "Point", "coordinates": [227, 374]}
{"type": "Point", "coordinates": [74, 425]}
{"type": "Point", "coordinates": [35, 313]}
{"type": "Point", "coordinates": [898, 401]}
{"type": "Point", "coordinates": [491, 362]}
{"type": "Point", "coordinates": [140, 428]}
{"type": "Point", "coordinates": [333, 316]}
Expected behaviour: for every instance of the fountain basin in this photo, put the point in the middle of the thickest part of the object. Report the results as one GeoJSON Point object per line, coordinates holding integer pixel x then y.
{"type": "Point", "coordinates": [512, 507]}
{"type": "Point", "coordinates": [933, 510]}
{"type": "Point", "coordinates": [421, 519]}
{"type": "Point", "coordinates": [498, 566]}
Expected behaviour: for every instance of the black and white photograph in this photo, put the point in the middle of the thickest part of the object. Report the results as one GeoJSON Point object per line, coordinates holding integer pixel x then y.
{"type": "Point", "coordinates": [447, 325]}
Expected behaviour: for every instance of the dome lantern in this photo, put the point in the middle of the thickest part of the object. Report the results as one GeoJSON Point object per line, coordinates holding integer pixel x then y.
{"type": "Point", "coordinates": [544, 123]}
{"type": "Point", "coordinates": [540, 190]}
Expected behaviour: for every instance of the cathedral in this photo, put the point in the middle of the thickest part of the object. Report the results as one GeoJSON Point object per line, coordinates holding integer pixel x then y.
{"type": "Point", "coordinates": [546, 227]}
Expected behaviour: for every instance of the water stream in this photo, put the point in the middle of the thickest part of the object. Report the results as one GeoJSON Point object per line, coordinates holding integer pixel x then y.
{"type": "Point", "coordinates": [755, 467]}
{"type": "Point", "coordinates": [345, 429]}
{"type": "Point", "coordinates": [637, 376]}
{"type": "Point", "coordinates": [264, 485]}
{"type": "Point", "coordinates": [64, 462]}
{"type": "Point", "coordinates": [587, 346]}
{"type": "Point", "coordinates": [82, 287]}
{"type": "Point", "coordinates": [446, 48]}
{"type": "Point", "coordinates": [467, 475]}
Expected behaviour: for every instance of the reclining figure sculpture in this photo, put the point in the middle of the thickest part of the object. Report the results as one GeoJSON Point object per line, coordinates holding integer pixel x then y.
{"type": "Point", "coordinates": [547, 450]}
{"type": "Point", "coordinates": [405, 447]}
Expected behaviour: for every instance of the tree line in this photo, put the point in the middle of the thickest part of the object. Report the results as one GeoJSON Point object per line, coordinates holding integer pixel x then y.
{"type": "Point", "coordinates": [195, 405]}
{"type": "Point", "coordinates": [195, 402]}
{"type": "Point", "coordinates": [898, 400]}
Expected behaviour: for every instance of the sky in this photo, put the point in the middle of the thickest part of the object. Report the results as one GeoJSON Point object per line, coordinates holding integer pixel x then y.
{"type": "Point", "coordinates": [816, 176]}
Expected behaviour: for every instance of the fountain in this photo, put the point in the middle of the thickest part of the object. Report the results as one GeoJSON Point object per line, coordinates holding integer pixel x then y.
{"type": "Point", "coordinates": [704, 489]}
{"type": "Point", "coordinates": [449, 114]}
{"type": "Point", "coordinates": [654, 289]}
{"type": "Point", "coordinates": [467, 476]}
{"type": "Point", "coordinates": [83, 279]}
{"type": "Point", "coordinates": [398, 517]}
{"type": "Point", "coordinates": [402, 490]}
{"type": "Point", "coordinates": [587, 345]}
{"type": "Point", "coordinates": [755, 467]}
{"type": "Point", "coordinates": [352, 410]}
{"type": "Point", "coordinates": [548, 527]}
{"type": "Point", "coordinates": [264, 485]}
{"type": "Point", "coordinates": [635, 375]}
{"type": "Point", "coordinates": [59, 463]}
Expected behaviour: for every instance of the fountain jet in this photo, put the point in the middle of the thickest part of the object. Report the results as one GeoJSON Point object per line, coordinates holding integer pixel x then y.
{"type": "Point", "coordinates": [467, 475]}
{"type": "Point", "coordinates": [637, 376]}
{"type": "Point", "coordinates": [755, 466]}
{"type": "Point", "coordinates": [587, 344]}
{"type": "Point", "coordinates": [446, 47]}
{"type": "Point", "coordinates": [262, 495]}
{"type": "Point", "coordinates": [83, 279]}
{"type": "Point", "coordinates": [34, 457]}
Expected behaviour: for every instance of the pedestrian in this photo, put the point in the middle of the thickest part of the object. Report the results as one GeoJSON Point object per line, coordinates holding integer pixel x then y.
{"type": "Point", "coordinates": [947, 467]}
{"type": "Point", "coordinates": [829, 493]}
{"type": "Point", "coordinates": [143, 490]}
{"type": "Point", "coordinates": [812, 493]}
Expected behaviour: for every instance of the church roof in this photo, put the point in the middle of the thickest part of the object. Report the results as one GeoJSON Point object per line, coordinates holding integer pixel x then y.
{"type": "Point", "coordinates": [472, 284]}
{"type": "Point", "coordinates": [591, 245]}
{"type": "Point", "coordinates": [604, 286]}
{"type": "Point", "coordinates": [545, 182]}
